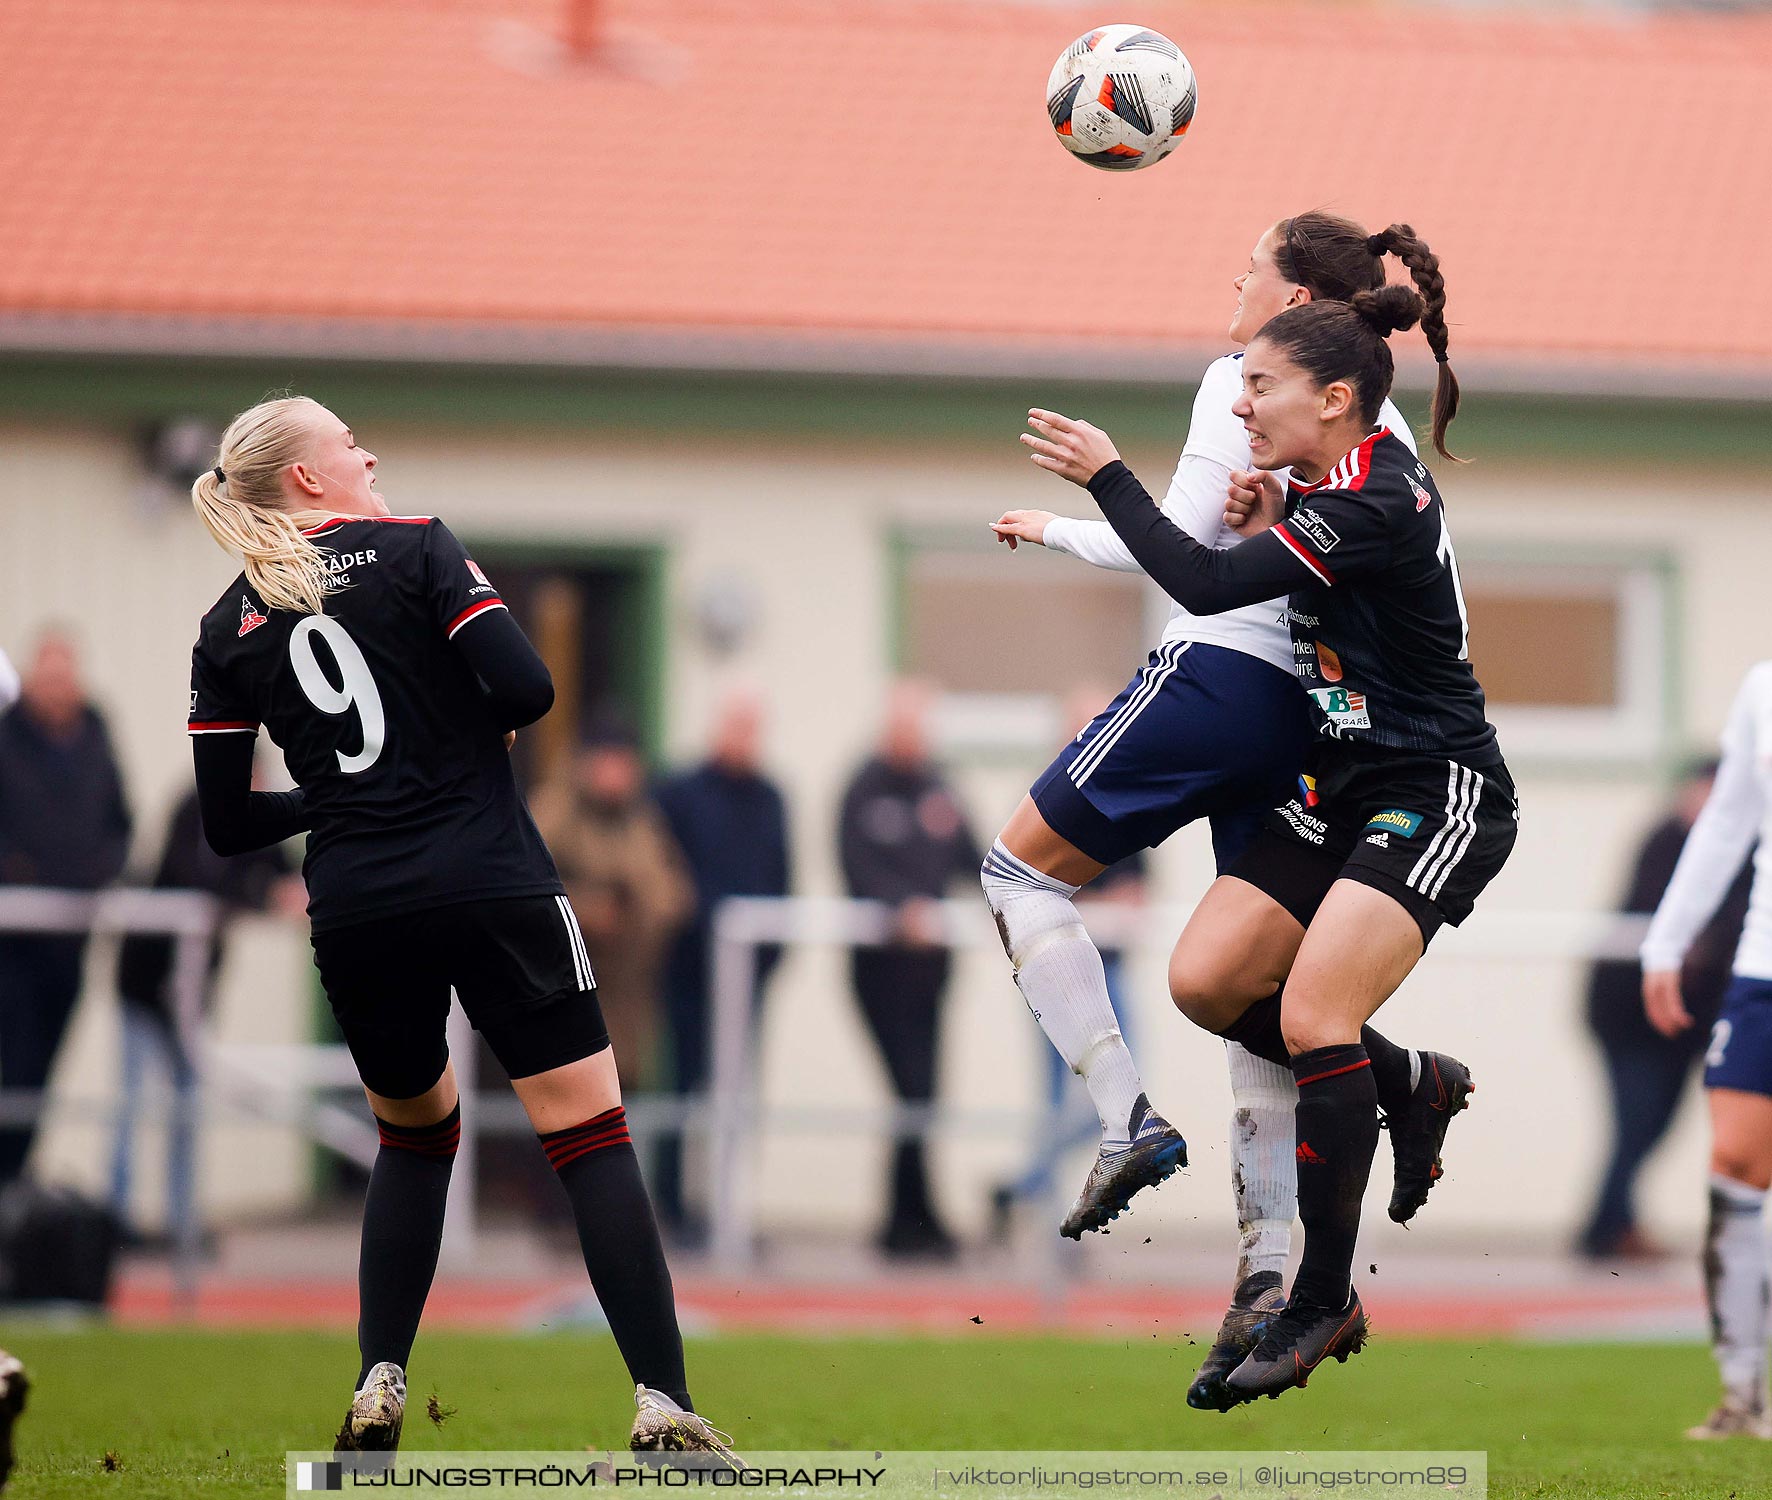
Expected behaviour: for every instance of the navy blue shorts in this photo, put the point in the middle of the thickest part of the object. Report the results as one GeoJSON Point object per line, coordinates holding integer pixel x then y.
{"type": "Point", "coordinates": [1740, 1055]}
{"type": "Point", "coordinates": [1200, 732]}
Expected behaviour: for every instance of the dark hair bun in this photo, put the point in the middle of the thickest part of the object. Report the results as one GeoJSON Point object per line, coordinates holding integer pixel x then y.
{"type": "Point", "coordinates": [1389, 308]}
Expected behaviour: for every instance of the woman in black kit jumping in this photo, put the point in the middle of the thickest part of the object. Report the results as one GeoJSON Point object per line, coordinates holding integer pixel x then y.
{"type": "Point", "coordinates": [1406, 810]}
{"type": "Point", "coordinates": [376, 653]}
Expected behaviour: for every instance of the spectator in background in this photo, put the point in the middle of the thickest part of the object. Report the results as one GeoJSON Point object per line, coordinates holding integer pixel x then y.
{"type": "Point", "coordinates": [731, 825]}
{"type": "Point", "coordinates": [148, 999]}
{"type": "Point", "coordinates": [903, 841]}
{"type": "Point", "coordinates": [1645, 1070]}
{"type": "Point", "coordinates": [626, 882]}
{"type": "Point", "coordinates": [63, 822]}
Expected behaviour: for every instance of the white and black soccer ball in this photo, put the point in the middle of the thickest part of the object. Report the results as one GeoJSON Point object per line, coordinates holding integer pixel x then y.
{"type": "Point", "coordinates": [1121, 97]}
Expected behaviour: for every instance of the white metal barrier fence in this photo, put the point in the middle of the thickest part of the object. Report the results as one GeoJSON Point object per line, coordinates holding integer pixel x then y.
{"type": "Point", "coordinates": [284, 1084]}
{"type": "Point", "coordinates": [736, 1117]}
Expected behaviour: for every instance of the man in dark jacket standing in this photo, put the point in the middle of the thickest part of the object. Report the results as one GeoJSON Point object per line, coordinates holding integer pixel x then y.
{"type": "Point", "coordinates": [731, 824]}
{"type": "Point", "coordinates": [148, 1001]}
{"type": "Point", "coordinates": [904, 841]}
{"type": "Point", "coordinates": [1647, 1072]}
{"type": "Point", "coordinates": [63, 822]}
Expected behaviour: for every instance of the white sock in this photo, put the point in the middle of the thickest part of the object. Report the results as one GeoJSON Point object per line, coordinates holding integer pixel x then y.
{"type": "Point", "coordinates": [1736, 1285]}
{"type": "Point", "coordinates": [1059, 973]}
{"type": "Point", "coordinates": [1264, 1161]}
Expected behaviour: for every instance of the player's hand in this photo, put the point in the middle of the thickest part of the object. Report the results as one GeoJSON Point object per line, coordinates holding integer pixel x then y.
{"type": "Point", "coordinates": [1017, 526]}
{"type": "Point", "coordinates": [1663, 1003]}
{"type": "Point", "coordinates": [1072, 450]}
{"type": "Point", "coordinates": [1255, 502]}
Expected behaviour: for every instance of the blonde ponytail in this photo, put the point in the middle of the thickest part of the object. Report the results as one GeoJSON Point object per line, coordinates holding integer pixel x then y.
{"type": "Point", "coordinates": [241, 503]}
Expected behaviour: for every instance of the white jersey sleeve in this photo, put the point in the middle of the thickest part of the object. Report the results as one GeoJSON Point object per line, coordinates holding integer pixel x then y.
{"type": "Point", "coordinates": [1093, 541]}
{"type": "Point", "coordinates": [1195, 501]}
{"type": "Point", "coordinates": [1724, 831]}
{"type": "Point", "coordinates": [9, 683]}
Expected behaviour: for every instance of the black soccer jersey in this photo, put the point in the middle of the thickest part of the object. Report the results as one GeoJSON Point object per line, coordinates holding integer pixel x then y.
{"type": "Point", "coordinates": [1375, 605]}
{"type": "Point", "coordinates": [1380, 635]}
{"type": "Point", "coordinates": [383, 723]}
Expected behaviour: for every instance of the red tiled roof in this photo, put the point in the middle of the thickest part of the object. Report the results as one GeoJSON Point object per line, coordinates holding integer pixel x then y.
{"type": "Point", "coordinates": [868, 176]}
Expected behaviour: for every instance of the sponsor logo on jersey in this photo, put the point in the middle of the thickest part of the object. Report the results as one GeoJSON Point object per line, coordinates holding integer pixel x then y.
{"type": "Point", "coordinates": [250, 618]}
{"type": "Point", "coordinates": [1309, 622]}
{"type": "Point", "coordinates": [1381, 840]}
{"type": "Point", "coordinates": [1342, 707]}
{"type": "Point", "coordinates": [1422, 498]}
{"type": "Point", "coordinates": [1307, 789]}
{"type": "Point", "coordinates": [1330, 663]}
{"type": "Point", "coordinates": [1312, 830]}
{"type": "Point", "coordinates": [1405, 823]}
{"type": "Point", "coordinates": [479, 577]}
{"type": "Point", "coordinates": [340, 563]}
{"type": "Point", "coordinates": [1307, 522]}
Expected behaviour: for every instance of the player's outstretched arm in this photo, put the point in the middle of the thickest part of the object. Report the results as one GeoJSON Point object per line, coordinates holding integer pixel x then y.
{"type": "Point", "coordinates": [518, 687]}
{"type": "Point", "coordinates": [1017, 526]}
{"type": "Point", "coordinates": [1711, 859]}
{"type": "Point", "coordinates": [236, 819]}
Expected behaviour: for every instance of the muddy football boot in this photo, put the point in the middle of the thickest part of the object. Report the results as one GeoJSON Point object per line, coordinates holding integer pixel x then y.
{"type": "Point", "coordinates": [1156, 1151]}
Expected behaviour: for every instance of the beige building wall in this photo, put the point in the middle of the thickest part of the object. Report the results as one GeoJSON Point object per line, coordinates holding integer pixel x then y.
{"type": "Point", "coordinates": [807, 529]}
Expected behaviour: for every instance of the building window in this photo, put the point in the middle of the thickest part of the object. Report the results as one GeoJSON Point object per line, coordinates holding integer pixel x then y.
{"type": "Point", "coordinates": [1573, 658]}
{"type": "Point", "coordinates": [1007, 638]}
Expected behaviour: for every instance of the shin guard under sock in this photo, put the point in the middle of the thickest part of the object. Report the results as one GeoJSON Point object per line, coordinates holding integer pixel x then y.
{"type": "Point", "coordinates": [402, 1233]}
{"type": "Point", "coordinates": [597, 1167]}
{"type": "Point", "coordinates": [1337, 1136]}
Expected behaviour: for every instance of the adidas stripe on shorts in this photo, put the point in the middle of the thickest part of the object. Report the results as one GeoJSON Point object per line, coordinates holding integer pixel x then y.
{"type": "Point", "coordinates": [1430, 832]}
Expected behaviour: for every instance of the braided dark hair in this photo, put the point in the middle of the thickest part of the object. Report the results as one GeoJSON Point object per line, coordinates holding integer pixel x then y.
{"type": "Point", "coordinates": [1424, 269]}
{"type": "Point", "coordinates": [1332, 256]}
{"type": "Point", "coordinates": [1346, 340]}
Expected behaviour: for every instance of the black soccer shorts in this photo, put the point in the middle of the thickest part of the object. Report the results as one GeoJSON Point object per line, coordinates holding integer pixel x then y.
{"type": "Point", "coordinates": [1429, 833]}
{"type": "Point", "coordinates": [518, 964]}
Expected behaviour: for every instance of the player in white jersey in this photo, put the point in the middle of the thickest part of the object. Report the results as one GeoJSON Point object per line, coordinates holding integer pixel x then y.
{"type": "Point", "coordinates": [1214, 726]}
{"type": "Point", "coordinates": [1738, 1066]}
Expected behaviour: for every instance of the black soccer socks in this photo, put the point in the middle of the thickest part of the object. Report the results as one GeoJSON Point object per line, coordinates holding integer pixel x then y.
{"type": "Point", "coordinates": [1391, 1069]}
{"type": "Point", "coordinates": [402, 1232]}
{"type": "Point", "coordinates": [619, 1237]}
{"type": "Point", "coordinates": [1258, 1030]}
{"type": "Point", "coordinates": [1337, 1137]}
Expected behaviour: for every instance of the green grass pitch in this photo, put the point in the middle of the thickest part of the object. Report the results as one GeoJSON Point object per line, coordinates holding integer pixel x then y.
{"type": "Point", "coordinates": [210, 1414]}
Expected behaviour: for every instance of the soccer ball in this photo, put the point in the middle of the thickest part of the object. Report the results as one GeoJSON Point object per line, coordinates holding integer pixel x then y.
{"type": "Point", "coordinates": [1121, 97]}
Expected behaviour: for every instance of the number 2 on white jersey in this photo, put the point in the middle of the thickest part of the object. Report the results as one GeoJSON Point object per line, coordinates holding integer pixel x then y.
{"type": "Point", "coordinates": [1444, 553]}
{"type": "Point", "coordinates": [358, 689]}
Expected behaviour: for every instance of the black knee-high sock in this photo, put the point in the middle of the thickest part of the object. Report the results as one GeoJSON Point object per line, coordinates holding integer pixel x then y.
{"type": "Point", "coordinates": [402, 1232]}
{"type": "Point", "coordinates": [1337, 1136]}
{"type": "Point", "coordinates": [619, 1236]}
{"type": "Point", "coordinates": [1258, 1029]}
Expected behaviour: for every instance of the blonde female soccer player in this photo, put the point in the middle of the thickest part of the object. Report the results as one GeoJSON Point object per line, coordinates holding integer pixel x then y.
{"type": "Point", "coordinates": [1738, 1066]}
{"type": "Point", "coordinates": [1406, 810]}
{"type": "Point", "coordinates": [381, 659]}
{"type": "Point", "coordinates": [1216, 725]}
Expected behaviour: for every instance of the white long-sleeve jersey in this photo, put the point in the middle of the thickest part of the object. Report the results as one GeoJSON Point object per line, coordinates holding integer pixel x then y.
{"type": "Point", "coordinates": [1216, 444]}
{"type": "Point", "coordinates": [1738, 811]}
